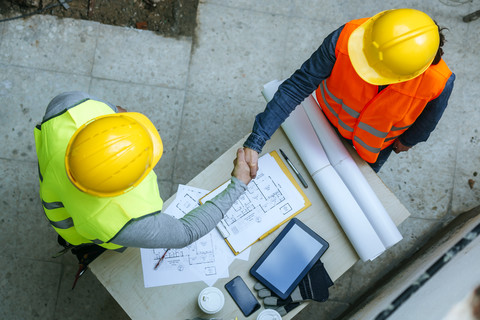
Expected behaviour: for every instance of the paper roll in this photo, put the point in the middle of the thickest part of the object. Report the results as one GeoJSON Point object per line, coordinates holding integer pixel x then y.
{"type": "Point", "coordinates": [350, 216]}
{"type": "Point", "coordinates": [351, 175]}
{"type": "Point", "coordinates": [330, 164]}
{"type": "Point", "coordinates": [300, 132]}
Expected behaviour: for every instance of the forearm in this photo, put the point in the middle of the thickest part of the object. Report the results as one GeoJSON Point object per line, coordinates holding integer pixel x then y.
{"type": "Point", "coordinates": [293, 91]}
{"type": "Point", "coordinates": [164, 231]}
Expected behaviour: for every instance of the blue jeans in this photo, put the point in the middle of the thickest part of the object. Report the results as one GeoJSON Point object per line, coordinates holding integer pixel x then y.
{"type": "Point", "coordinates": [382, 158]}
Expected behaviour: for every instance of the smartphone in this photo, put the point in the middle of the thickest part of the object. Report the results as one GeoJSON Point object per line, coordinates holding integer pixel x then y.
{"type": "Point", "coordinates": [242, 296]}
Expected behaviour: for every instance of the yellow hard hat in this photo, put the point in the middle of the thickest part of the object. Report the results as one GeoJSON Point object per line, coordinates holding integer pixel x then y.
{"type": "Point", "coordinates": [393, 46]}
{"type": "Point", "coordinates": [113, 153]}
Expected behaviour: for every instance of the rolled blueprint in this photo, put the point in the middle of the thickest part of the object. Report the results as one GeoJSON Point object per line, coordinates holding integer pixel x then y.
{"type": "Point", "coordinates": [351, 175]}
{"type": "Point", "coordinates": [350, 216]}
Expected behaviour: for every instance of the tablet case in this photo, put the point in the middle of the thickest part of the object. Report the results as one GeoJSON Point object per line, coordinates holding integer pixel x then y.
{"type": "Point", "coordinates": [310, 266]}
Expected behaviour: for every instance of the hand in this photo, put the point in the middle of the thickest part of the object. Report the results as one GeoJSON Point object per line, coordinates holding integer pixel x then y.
{"type": "Point", "coordinates": [241, 169]}
{"type": "Point", "coordinates": [399, 147]}
{"type": "Point", "coordinates": [251, 156]}
{"type": "Point", "coordinates": [314, 286]}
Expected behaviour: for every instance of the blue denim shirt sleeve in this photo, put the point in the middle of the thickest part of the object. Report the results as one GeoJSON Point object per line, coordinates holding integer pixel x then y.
{"type": "Point", "coordinates": [428, 119]}
{"type": "Point", "coordinates": [293, 91]}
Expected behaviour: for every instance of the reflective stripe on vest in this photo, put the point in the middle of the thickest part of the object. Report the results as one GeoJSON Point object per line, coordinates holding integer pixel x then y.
{"type": "Point", "coordinates": [76, 216]}
{"type": "Point", "coordinates": [372, 119]}
{"type": "Point", "coordinates": [62, 224]}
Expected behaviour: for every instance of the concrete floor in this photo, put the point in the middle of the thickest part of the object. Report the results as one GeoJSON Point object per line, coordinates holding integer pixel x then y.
{"type": "Point", "coordinates": [203, 93]}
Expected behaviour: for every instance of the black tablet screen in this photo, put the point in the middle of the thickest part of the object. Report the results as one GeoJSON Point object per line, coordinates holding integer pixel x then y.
{"type": "Point", "coordinates": [290, 258]}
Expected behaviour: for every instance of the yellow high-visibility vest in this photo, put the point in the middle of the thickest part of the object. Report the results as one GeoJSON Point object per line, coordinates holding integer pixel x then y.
{"type": "Point", "coordinates": [77, 216]}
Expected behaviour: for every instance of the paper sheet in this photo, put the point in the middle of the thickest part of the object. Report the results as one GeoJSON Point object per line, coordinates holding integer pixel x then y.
{"type": "Point", "coordinates": [207, 259]}
{"type": "Point", "coordinates": [358, 229]}
{"type": "Point", "coordinates": [269, 200]}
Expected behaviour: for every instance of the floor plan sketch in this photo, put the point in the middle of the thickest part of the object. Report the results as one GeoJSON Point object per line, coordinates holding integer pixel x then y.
{"type": "Point", "coordinates": [268, 201]}
{"type": "Point", "coordinates": [206, 259]}
{"type": "Point", "coordinates": [200, 253]}
{"type": "Point", "coordinates": [262, 194]}
{"type": "Point", "coordinates": [185, 204]}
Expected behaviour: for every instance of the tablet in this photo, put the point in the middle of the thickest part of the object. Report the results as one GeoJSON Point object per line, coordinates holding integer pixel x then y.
{"type": "Point", "coordinates": [289, 258]}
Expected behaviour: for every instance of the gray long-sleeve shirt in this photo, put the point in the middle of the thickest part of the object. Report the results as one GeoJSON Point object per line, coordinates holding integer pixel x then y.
{"type": "Point", "coordinates": [160, 230]}
{"type": "Point", "coordinates": [164, 231]}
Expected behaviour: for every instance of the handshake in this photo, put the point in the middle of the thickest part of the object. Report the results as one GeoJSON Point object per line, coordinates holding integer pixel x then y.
{"type": "Point", "coordinates": [245, 165]}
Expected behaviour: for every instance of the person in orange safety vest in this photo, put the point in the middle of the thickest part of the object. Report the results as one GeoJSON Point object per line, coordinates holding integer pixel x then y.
{"type": "Point", "coordinates": [380, 81]}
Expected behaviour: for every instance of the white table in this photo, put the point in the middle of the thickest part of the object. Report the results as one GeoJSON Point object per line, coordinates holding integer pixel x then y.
{"type": "Point", "coordinates": [122, 273]}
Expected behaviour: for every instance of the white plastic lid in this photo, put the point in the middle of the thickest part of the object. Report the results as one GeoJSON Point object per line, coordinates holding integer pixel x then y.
{"type": "Point", "coordinates": [211, 300]}
{"type": "Point", "coordinates": [269, 314]}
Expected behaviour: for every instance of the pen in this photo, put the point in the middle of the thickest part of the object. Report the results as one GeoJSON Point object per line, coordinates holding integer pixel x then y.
{"type": "Point", "coordinates": [294, 169]}
{"type": "Point", "coordinates": [161, 259]}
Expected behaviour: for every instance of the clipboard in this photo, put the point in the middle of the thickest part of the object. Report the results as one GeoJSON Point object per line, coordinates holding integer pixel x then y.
{"type": "Point", "coordinates": [284, 181]}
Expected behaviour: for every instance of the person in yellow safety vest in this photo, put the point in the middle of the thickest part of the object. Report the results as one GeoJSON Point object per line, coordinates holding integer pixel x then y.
{"type": "Point", "coordinates": [96, 180]}
{"type": "Point", "coordinates": [380, 81]}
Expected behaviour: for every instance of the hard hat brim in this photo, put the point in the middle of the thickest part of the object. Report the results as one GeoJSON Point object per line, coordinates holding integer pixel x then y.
{"type": "Point", "coordinates": [152, 131]}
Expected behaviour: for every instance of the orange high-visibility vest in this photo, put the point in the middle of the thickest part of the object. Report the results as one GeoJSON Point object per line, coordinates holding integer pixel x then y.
{"type": "Point", "coordinates": [373, 120]}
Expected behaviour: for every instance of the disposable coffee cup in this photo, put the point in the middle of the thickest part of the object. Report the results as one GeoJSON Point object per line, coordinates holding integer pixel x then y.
{"type": "Point", "coordinates": [269, 314]}
{"type": "Point", "coordinates": [211, 300]}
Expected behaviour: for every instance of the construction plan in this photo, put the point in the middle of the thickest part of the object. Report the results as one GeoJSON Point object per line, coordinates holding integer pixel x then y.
{"type": "Point", "coordinates": [271, 199]}
{"type": "Point", "coordinates": [207, 259]}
